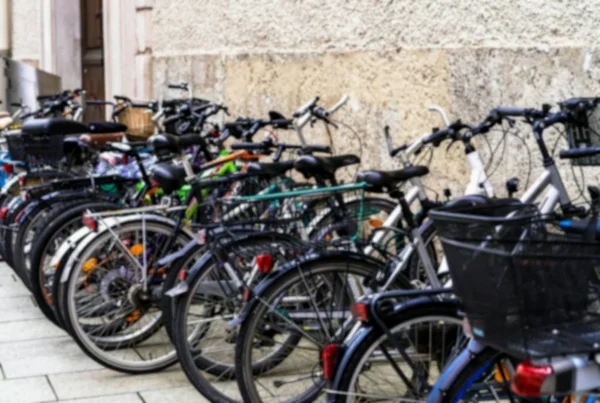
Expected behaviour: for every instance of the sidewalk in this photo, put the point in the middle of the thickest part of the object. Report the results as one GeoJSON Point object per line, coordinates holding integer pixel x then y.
{"type": "Point", "coordinates": [41, 363]}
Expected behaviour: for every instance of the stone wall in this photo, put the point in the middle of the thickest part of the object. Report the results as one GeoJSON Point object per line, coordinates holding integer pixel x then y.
{"type": "Point", "coordinates": [393, 58]}
{"type": "Point", "coordinates": [26, 31]}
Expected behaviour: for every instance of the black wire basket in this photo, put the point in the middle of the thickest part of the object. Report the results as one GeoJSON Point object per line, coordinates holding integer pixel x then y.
{"type": "Point", "coordinates": [528, 288]}
{"type": "Point", "coordinates": [584, 131]}
{"type": "Point", "coordinates": [40, 149]}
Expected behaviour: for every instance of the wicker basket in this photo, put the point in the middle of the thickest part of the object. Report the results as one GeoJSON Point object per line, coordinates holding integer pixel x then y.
{"type": "Point", "coordinates": [139, 123]}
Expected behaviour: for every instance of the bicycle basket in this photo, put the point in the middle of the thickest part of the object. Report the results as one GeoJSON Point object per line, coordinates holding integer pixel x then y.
{"type": "Point", "coordinates": [527, 288]}
{"type": "Point", "coordinates": [25, 147]}
{"type": "Point", "coordinates": [584, 133]}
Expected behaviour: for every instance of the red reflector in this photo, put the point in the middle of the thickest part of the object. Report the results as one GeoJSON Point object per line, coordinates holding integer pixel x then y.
{"type": "Point", "coordinates": [329, 357]}
{"type": "Point", "coordinates": [8, 168]}
{"type": "Point", "coordinates": [89, 222]}
{"type": "Point", "coordinates": [182, 275]}
{"type": "Point", "coordinates": [22, 181]}
{"type": "Point", "coordinates": [247, 294]}
{"type": "Point", "coordinates": [529, 379]}
{"type": "Point", "coordinates": [3, 213]}
{"type": "Point", "coordinates": [154, 183]}
{"type": "Point", "coordinates": [264, 263]}
{"type": "Point", "coordinates": [360, 311]}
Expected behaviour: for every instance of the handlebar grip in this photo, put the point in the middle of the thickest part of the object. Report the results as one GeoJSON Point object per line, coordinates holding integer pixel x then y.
{"type": "Point", "coordinates": [180, 86]}
{"type": "Point", "coordinates": [579, 152]}
{"type": "Point", "coordinates": [438, 136]}
{"type": "Point", "coordinates": [121, 98]}
{"type": "Point", "coordinates": [306, 107]}
{"type": "Point", "coordinates": [316, 148]}
{"type": "Point", "coordinates": [398, 149]}
{"type": "Point", "coordinates": [249, 146]}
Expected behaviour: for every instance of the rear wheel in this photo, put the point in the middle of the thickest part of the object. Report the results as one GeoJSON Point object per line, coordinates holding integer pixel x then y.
{"type": "Point", "coordinates": [56, 229]}
{"type": "Point", "coordinates": [107, 308]}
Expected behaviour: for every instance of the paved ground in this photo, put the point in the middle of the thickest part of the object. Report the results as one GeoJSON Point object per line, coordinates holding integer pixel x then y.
{"type": "Point", "coordinates": [40, 363]}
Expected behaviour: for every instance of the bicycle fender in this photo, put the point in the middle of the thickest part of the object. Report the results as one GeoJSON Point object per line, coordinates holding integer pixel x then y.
{"type": "Point", "coordinates": [180, 253]}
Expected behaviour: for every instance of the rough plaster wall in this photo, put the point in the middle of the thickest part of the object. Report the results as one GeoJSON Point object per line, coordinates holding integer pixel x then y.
{"type": "Point", "coordinates": [26, 31]}
{"type": "Point", "coordinates": [392, 58]}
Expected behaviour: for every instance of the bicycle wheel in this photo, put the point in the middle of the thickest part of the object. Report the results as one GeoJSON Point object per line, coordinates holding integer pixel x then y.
{"type": "Point", "coordinates": [312, 302]}
{"type": "Point", "coordinates": [205, 342]}
{"type": "Point", "coordinates": [56, 230]}
{"type": "Point", "coordinates": [478, 375]}
{"type": "Point", "coordinates": [112, 305]}
{"type": "Point", "coordinates": [374, 367]}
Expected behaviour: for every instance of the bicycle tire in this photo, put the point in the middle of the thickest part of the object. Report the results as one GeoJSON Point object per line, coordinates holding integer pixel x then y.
{"type": "Point", "coordinates": [245, 370]}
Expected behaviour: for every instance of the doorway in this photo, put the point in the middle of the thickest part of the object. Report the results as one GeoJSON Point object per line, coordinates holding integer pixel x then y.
{"type": "Point", "coordinates": [92, 57]}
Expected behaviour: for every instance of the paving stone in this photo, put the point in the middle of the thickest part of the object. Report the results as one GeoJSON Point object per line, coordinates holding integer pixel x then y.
{"type": "Point", "coordinates": [19, 309]}
{"type": "Point", "coordinates": [26, 390]}
{"type": "Point", "coordinates": [186, 394]}
{"type": "Point", "coordinates": [28, 330]}
{"type": "Point", "coordinates": [127, 398]}
{"type": "Point", "coordinates": [43, 357]}
{"type": "Point", "coordinates": [97, 383]}
{"type": "Point", "coordinates": [11, 286]}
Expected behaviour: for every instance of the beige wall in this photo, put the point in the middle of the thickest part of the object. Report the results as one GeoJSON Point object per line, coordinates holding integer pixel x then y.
{"type": "Point", "coordinates": [393, 58]}
{"type": "Point", "coordinates": [25, 38]}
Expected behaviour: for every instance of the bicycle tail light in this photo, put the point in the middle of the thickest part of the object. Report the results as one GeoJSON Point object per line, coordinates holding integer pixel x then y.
{"type": "Point", "coordinates": [3, 213]}
{"type": "Point", "coordinates": [89, 222]}
{"type": "Point", "coordinates": [329, 358]}
{"type": "Point", "coordinates": [8, 168]}
{"type": "Point", "coordinates": [360, 311]}
{"type": "Point", "coordinates": [532, 380]}
{"type": "Point", "coordinates": [264, 263]}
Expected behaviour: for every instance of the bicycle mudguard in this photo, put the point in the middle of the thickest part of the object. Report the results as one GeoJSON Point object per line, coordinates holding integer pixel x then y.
{"type": "Point", "coordinates": [325, 256]}
{"type": "Point", "coordinates": [454, 369]}
{"type": "Point", "coordinates": [180, 253]}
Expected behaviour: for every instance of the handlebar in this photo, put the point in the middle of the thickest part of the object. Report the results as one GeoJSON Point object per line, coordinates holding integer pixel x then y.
{"type": "Point", "coordinates": [306, 107]}
{"type": "Point", "coordinates": [181, 86]}
{"type": "Point", "coordinates": [579, 152]}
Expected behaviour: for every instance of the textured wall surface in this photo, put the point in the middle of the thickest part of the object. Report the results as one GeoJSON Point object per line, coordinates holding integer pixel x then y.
{"type": "Point", "coordinates": [394, 59]}
{"type": "Point", "coordinates": [26, 31]}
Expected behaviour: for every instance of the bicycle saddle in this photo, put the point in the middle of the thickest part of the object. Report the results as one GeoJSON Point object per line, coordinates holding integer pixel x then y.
{"type": "Point", "coordinates": [53, 127]}
{"type": "Point", "coordinates": [391, 179]}
{"type": "Point", "coordinates": [270, 169]}
{"type": "Point", "coordinates": [310, 165]}
{"type": "Point", "coordinates": [174, 143]}
{"type": "Point", "coordinates": [169, 176]}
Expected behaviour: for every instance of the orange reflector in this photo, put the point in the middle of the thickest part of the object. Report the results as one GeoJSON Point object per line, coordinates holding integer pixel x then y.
{"type": "Point", "coordinates": [375, 223]}
{"type": "Point", "coordinates": [90, 265]}
{"type": "Point", "coordinates": [501, 373]}
{"type": "Point", "coordinates": [137, 249]}
{"type": "Point", "coordinates": [134, 317]}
